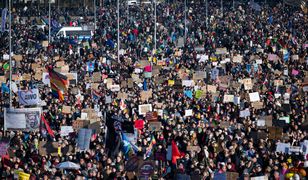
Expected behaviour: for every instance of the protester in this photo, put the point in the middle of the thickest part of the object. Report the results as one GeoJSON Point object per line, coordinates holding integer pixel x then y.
{"type": "Point", "coordinates": [230, 99]}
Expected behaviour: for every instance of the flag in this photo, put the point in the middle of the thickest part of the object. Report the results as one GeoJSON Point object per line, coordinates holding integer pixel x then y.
{"type": "Point", "coordinates": [58, 79]}
{"type": "Point", "coordinates": [96, 95]}
{"type": "Point", "coordinates": [57, 93]}
{"type": "Point", "coordinates": [150, 148]}
{"type": "Point", "coordinates": [4, 88]}
{"type": "Point", "coordinates": [4, 14]}
{"type": "Point", "coordinates": [49, 130]}
{"type": "Point", "coordinates": [145, 85]}
{"type": "Point", "coordinates": [128, 145]}
{"type": "Point", "coordinates": [175, 153]}
{"type": "Point", "coordinates": [286, 55]}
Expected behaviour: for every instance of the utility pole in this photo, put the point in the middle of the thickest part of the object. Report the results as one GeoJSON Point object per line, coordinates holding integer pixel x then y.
{"type": "Point", "coordinates": [10, 49]}
{"type": "Point", "coordinates": [118, 9]}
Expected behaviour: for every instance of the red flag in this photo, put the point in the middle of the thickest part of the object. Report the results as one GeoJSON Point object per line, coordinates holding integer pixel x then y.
{"type": "Point", "coordinates": [49, 130]}
{"type": "Point", "coordinates": [175, 153]}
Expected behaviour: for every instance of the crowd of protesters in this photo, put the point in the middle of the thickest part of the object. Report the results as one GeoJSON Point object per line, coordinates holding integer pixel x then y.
{"type": "Point", "coordinates": [241, 147]}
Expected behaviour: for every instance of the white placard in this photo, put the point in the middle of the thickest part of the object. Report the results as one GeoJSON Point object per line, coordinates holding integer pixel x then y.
{"type": "Point", "coordinates": [66, 130]}
{"type": "Point", "coordinates": [144, 108]}
{"type": "Point", "coordinates": [254, 97]}
{"type": "Point", "coordinates": [188, 112]}
{"type": "Point", "coordinates": [245, 113]}
{"type": "Point", "coordinates": [188, 83]}
{"type": "Point", "coordinates": [30, 97]}
{"type": "Point", "coordinates": [228, 98]}
{"type": "Point", "coordinates": [115, 87]}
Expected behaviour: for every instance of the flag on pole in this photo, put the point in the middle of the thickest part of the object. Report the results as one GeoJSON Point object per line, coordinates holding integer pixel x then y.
{"type": "Point", "coordinates": [57, 93]}
{"type": "Point", "coordinates": [150, 148]}
{"type": "Point", "coordinates": [49, 130]}
{"type": "Point", "coordinates": [176, 154]}
{"type": "Point", "coordinates": [58, 79]}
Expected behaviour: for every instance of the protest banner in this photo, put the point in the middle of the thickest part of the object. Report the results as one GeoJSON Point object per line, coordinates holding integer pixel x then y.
{"type": "Point", "coordinates": [143, 109]}
{"type": "Point", "coordinates": [26, 119]}
{"type": "Point", "coordinates": [84, 137]}
{"type": "Point", "coordinates": [28, 97]}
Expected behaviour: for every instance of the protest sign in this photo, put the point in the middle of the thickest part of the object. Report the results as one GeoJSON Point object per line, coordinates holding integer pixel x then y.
{"type": "Point", "coordinates": [84, 137]}
{"type": "Point", "coordinates": [26, 119]}
{"type": "Point", "coordinates": [151, 116]}
{"type": "Point", "coordinates": [188, 83]}
{"type": "Point", "coordinates": [237, 59]}
{"type": "Point", "coordinates": [245, 113]}
{"type": "Point", "coordinates": [66, 130]}
{"type": "Point", "coordinates": [188, 112]}
{"type": "Point", "coordinates": [170, 82]}
{"type": "Point", "coordinates": [29, 97]}
{"type": "Point", "coordinates": [154, 126]}
{"type": "Point", "coordinates": [228, 98]}
{"type": "Point", "coordinates": [199, 75]}
{"type": "Point", "coordinates": [80, 124]}
{"type": "Point", "coordinates": [224, 124]}
{"type": "Point", "coordinates": [23, 176]}
{"type": "Point", "coordinates": [66, 109]}
{"type": "Point", "coordinates": [282, 147]}
{"type": "Point", "coordinates": [121, 95]}
{"type": "Point", "coordinates": [275, 133]}
{"type": "Point", "coordinates": [278, 82]}
{"type": "Point", "coordinates": [45, 43]}
{"type": "Point", "coordinates": [97, 77]}
{"type": "Point", "coordinates": [220, 51]}
{"type": "Point", "coordinates": [143, 109]}
{"type": "Point", "coordinates": [259, 178]}
{"type": "Point", "coordinates": [196, 149]}
{"type": "Point", "coordinates": [257, 105]}
{"type": "Point", "coordinates": [211, 88]}
{"type": "Point", "coordinates": [115, 87]}
{"type": "Point", "coordinates": [232, 175]}
{"type": "Point", "coordinates": [254, 97]}
{"type": "Point", "coordinates": [146, 169]}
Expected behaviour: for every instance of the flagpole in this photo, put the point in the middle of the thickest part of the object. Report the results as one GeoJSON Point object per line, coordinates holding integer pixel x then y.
{"type": "Point", "coordinates": [10, 53]}
{"type": "Point", "coordinates": [207, 13]}
{"type": "Point", "coordinates": [118, 8]}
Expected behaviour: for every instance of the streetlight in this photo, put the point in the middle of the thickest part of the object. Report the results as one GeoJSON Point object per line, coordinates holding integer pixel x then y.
{"type": "Point", "coordinates": [185, 23]}
{"type": "Point", "coordinates": [94, 15]}
{"type": "Point", "coordinates": [118, 9]}
{"type": "Point", "coordinates": [10, 49]}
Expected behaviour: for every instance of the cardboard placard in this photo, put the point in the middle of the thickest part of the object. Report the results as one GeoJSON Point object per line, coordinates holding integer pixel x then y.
{"type": "Point", "coordinates": [17, 57]}
{"type": "Point", "coordinates": [275, 133]}
{"type": "Point", "coordinates": [78, 124]}
{"type": "Point", "coordinates": [130, 83]}
{"type": "Point", "coordinates": [2, 79]}
{"type": "Point", "coordinates": [194, 148]}
{"type": "Point", "coordinates": [97, 77]}
{"type": "Point", "coordinates": [257, 105]}
{"type": "Point", "coordinates": [155, 126]}
{"type": "Point", "coordinates": [26, 77]}
{"type": "Point", "coordinates": [45, 43]}
{"type": "Point", "coordinates": [211, 89]}
{"type": "Point", "coordinates": [151, 116]}
{"type": "Point", "coordinates": [228, 98]}
{"type": "Point", "coordinates": [145, 95]}
{"type": "Point", "coordinates": [122, 95]}
{"type": "Point", "coordinates": [224, 124]}
{"type": "Point", "coordinates": [199, 75]}
{"type": "Point", "coordinates": [278, 82]}
{"type": "Point", "coordinates": [232, 175]}
{"type": "Point", "coordinates": [66, 109]}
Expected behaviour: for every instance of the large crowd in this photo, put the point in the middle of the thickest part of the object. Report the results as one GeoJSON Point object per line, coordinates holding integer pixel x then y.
{"type": "Point", "coordinates": [226, 97]}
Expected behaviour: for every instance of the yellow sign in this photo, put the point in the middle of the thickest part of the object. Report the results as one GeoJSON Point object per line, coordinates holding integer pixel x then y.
{"type": "Point", "coordinates": [23, 176]}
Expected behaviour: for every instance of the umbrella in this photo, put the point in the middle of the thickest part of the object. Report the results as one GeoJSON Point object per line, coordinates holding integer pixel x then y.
{"type": "Point", "coordinates": [68, 165]}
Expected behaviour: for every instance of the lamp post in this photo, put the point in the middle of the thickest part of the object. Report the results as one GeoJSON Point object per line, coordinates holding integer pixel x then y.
{"type": "Point", "coordinates": [118, 13]}
{"type": "Point", "coordinates": [10, 49]}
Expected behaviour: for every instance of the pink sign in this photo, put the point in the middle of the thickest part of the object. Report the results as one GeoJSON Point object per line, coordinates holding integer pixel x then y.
{"type": "Point", "coordinates": [295, 72]}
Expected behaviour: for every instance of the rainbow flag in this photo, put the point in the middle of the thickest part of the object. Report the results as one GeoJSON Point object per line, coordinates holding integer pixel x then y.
{"type": "Point", "coordinates": [148, 152]}
{"type": "Point", "coordinates": [58, 79]}
{"type": "Point", "coordinates": [57, 93]}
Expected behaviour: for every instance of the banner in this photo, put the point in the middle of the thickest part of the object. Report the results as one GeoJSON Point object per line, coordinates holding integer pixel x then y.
{"type": "Point", "coordinates": [30, 97]}
{"type": "Point", "coordinates": [26, 119]}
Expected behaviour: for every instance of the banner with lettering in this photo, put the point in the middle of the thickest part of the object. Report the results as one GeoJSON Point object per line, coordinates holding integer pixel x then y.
{"type": "Point", "coordinates": [29, 97]}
